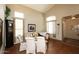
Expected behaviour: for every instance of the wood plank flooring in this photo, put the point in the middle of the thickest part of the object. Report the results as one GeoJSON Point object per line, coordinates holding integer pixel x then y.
{"type": "Point", "coordinates": [70, 41]}
{"type": "Point", "coordinates": [54, 47]}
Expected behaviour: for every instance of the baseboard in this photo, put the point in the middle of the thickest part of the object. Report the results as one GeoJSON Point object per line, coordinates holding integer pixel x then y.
{"type": "Point", "coordinates": [70, 38]}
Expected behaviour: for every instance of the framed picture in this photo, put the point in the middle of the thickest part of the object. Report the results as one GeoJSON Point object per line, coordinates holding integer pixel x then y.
{"type": "Point", "coordinates": [31, 27]}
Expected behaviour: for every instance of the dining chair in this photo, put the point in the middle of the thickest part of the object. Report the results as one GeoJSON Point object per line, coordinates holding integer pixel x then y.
{"type": "Point", "coordinates": [30, 43]}
{"type": "Point", "coordinates": [41, 45]}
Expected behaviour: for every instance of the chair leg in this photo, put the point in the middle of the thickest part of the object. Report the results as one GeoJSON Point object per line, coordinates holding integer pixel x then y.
{"type": "Point", "coordinates": [47, 46]}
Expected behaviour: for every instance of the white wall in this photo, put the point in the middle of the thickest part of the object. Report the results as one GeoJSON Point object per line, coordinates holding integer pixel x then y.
{"type": "Point", "coordinates": [60, 11]}
{"type": "Point", "coordinates": [31, 17]}
{"type": "Point", "coordinates": [2, 8]}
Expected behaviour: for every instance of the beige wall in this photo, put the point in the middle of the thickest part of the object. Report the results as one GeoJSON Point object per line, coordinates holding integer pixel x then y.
{"type": "Point", "coordinates": [69, 30]}
{"type": "Point", "coordinates": [35, 17]}
{"type": "Point", "coordinates": [60, 11]}
{"type": "Point", "coordinates": [2, 8]}
{"type": "Point", "coordinates": [31, 17]}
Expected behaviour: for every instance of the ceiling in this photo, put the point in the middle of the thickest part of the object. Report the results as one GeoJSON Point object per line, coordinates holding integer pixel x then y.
{"type": "Point", "coordinates": [39, 7]}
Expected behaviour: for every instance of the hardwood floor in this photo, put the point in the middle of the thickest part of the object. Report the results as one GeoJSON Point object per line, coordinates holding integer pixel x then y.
{"type": "Point", "coordinates": [70, 41]}
{"type": "Point", "coordinates": [54, 47]}
{"type": "Point", "coordinates": [59, 47]}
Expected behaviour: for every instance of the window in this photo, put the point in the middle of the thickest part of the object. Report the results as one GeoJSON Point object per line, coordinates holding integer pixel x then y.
{"type": "Point", "coordinates": [18, 25]}
{"type": "Point", "coordinates": [18, 14]}
{"type": "Point", "coordinates": [51, 24]}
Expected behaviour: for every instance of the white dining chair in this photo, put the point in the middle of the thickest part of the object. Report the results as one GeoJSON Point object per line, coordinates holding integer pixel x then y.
{"type": "Point", "coordinates": [22, 43]}
{"type": "Point", "coordinates": [30, 43]}
{"type": "Point", "coordinates": [22, 46]}
{"type": "Point", "coordinates": [41, 45]}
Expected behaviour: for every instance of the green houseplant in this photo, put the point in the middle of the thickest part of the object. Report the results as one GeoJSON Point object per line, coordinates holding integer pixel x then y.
{"type": "Point", "coordinates": [7, 12]}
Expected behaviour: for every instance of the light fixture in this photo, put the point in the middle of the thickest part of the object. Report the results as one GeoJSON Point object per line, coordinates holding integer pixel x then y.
{"type": "Point", "coordinates": [73, 17]}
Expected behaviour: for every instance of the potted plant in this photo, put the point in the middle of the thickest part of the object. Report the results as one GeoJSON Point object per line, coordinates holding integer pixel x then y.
{"type": "Point", "coordinates": [7, 12]}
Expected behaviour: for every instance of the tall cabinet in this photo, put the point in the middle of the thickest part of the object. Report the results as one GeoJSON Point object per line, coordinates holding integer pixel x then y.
{"type": "Point", "coordinates": [9, 33]}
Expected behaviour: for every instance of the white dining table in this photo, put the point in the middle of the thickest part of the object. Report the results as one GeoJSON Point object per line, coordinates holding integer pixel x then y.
{"type": "Point", "coordinates": [38, 45]}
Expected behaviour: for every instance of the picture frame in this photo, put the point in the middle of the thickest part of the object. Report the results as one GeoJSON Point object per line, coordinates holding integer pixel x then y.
{"type": "Point", "coordinates": [31, 27]}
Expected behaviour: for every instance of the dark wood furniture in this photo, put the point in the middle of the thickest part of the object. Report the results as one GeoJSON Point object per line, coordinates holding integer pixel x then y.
{"type": "Point", "coordinates": [9, 33]}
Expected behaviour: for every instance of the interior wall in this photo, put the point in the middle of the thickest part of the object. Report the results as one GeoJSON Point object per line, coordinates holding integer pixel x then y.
{"type": "Point", "coordinates": [2, 9]}
{"type": "Point", "coordinates": [69, 28]}
{"type": "Point", "coordinates": [31, 17]}
{"type": "Point", "coordinates": [61, 10]}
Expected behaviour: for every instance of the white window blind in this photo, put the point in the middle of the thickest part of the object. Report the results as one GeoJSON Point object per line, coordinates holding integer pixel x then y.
{"type": "Point", "coordinates": [51, 24]}
{"type": "Point", "coordinates": [18, 27]}
{"type": "Point", "coordinates": [18, 23]}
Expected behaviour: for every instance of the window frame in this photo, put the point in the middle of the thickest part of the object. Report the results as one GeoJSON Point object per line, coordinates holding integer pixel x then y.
{"type": "Point", "coordinates": [14, 25]}
{"type": "Point", "coordinates": [19, 13]}
{"type": "Point", "coordinates": [51, 21]}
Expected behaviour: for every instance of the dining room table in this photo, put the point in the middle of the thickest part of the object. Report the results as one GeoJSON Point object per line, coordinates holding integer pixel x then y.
{"type": "Point", "coordinates": [35, 45]}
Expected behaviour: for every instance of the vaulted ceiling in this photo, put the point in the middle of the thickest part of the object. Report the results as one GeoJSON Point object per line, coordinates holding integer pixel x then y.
{"type": "Point", "coordinates": [40, 7]}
